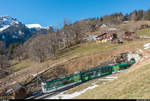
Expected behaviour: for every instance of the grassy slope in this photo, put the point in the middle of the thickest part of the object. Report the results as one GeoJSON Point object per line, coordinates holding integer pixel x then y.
{"type": "Point", "coordinates": [84, 50]}
{"type": "Point", "coordinates": [130, 85]}
{"type": "Point", "coordinates": [80, 51]}
{"type": "Point", "coordinates": [144, 32]}
{"type": "Point", "coordinates": [75, 51]}
{"type": "Point", "coordinates": [16, 65]}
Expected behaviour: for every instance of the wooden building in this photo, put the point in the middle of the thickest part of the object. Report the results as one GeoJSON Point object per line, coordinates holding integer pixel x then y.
{"type": "Point", "coordinates": [129, 36]}
{"type": "Point", "coordinates": [105, 37]}
{"type": "Point", "coordinates": [144, 26]}
{"type": "Point", "coordinates": [18, 91]}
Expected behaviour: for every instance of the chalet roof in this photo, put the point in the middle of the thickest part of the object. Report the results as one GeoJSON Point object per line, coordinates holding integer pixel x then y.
{"type": "Point", "coordinates": [129, 33]}
{"type": "Point", "coordinates": [103, 34]}
{"type": "Point", "coordinates": [103, 25]}
{"type": "Point", "coordinates": [91, 37]}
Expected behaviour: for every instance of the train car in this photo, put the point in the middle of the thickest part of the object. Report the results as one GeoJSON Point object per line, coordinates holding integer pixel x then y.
{"type": "Point", "coordinates": [95, 73]}
{"type": "Point", "coordinates": [123, 66]}
{"type": "Point", "coordinates": [52, 85]}
{"type": "Point", "coordinates": [83, 76]}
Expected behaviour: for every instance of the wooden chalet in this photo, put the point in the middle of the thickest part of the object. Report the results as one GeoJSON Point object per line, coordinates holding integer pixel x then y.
{"type": "Point", "coordinates": [129, 36]}
{"type": "Point", "coordinates": [18, 91]}
{"type": "Point", "coordinates": [144, 26]}
{"type": "Point", "coordinates": [105, 37]}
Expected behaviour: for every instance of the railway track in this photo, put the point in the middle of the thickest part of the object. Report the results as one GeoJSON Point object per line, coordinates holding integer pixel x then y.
{"type": "Point", "coordinates": [58, 91]}
{"type": "Point", "coordinates": [77, 80]}
{"type": "Point", "coordinates": [42, 96]}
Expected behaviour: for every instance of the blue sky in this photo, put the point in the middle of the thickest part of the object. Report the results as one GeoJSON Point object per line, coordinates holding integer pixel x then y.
{"type": "Point", "coordinates": [53, 12]}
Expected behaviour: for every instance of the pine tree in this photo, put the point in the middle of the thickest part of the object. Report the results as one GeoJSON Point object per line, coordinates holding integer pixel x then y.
{"type": "Point", "coordinates": [147, 15]}
{"type": "Point", "coordinates": [140, 15]}
{"type": "Point", "coordinates": [126, 17]}
{"type": "Point", "coordinates": [133, 16]}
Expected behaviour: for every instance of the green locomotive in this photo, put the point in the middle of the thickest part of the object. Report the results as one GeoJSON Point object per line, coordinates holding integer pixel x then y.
{"type": "Point", "coordinates": [83, 76]}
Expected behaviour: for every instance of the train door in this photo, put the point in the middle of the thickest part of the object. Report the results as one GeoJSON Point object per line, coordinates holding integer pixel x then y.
{"type": "Point", "coordinates": [98, 73]}
{"type": "Point", "coordinates": [76, 78]}
{"type": "Point", "coordinates": [86, 76]}
{"type": "Point", "coordinates": [116, 68]}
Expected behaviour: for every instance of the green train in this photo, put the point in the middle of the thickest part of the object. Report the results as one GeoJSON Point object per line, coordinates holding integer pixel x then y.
{"type": "Point", "coordinates": [83, 76]}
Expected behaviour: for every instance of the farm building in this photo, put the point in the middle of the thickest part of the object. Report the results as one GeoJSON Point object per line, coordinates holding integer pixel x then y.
{"type": "Point", "coordinates": [144, 26]}
{"type": "Point", "coordinates": [105, 37]}
{"type": "Point", "coordinates": [17, 91]}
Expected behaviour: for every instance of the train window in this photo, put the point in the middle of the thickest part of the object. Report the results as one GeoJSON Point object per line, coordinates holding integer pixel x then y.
{"type": "Point", "coordinates": [49, 87]}
{"type": "Point", "coordinates": [49, 84]}
{"type": "Point", "coordinates": [87, 74]}
{"type": "Point", "coordinates": [65, 82]}
{"type": "Point", "coordinates": [91, 73]}
{"type": "Point", "coordinates": [98, 73]}
{"type": "Point", "coordinates": [103, 70]}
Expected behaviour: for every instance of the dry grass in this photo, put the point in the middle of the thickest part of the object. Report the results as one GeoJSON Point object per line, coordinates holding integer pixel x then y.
{"type": "Point", "coordinates": [77, 58]}
{"type": "Point", "coordinates": [144, 32]}
{"type": "Point", "coordinates": [97, 57]}
{"type": "Point", "coordinates": [132, 25]}
{"type": "Point", "coordinates": [132, 84]}
{"type": "Point", "coordinates": [21, 65]}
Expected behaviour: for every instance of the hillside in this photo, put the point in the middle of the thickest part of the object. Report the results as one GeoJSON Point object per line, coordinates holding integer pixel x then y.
{"type": "Point", "coordinates": [131, 84]}
{"type": "Point", "coordinates": [70, 60]}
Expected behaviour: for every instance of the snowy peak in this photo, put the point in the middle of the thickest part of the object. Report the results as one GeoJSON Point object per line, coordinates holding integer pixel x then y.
{"type": "Point", "coordinates": [6, 21]}
{"type": "Point", "coordinates": [12, 30]}
{"type": "Point", "coordinates": [33, 26]}
{"type": "Point", "coordinates": [4, 27]}
{"type": "Point", "coordinates": [36, 26]}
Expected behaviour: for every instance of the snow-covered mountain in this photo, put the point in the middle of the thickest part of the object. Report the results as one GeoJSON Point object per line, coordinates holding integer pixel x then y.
{"type": "Point", "coordinates": [36, 26]}
{"type": "Point", "coordinates": [6, 21]}
{"type": "Point", "coordinates": [12, 30]}
{"type": "Point", "coordinates": [33, 25]}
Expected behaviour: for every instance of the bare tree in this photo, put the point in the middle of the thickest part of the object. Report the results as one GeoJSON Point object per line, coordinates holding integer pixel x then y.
{"type": "Point", "coordinates": [37, 48]}
{"type": "Point", "coordinates": [2, 47]}
{"type": "Point", "coordinates": [42, 47]}
{"type": "Point", "coordinates": [19, 53]}
{"type": "Point", "coordinates": [3, 61]}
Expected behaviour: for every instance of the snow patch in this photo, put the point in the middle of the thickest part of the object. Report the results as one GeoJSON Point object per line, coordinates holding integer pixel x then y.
{"type": "Point", "coordinates": [103, 26]}
{"type": "Point", "coordinates": [109, 78]}
{"type": "Point", "coordinates": [134, 55]}
{"type": "Point", "coordinates": [147, 56]}
{"type": "Point", "coordinates": [14, 36]}
{"type": "Point", "coordinates": [3, 28]}
{"type": "Point", "coordinates": [37, 26]}
{"type": "Point", "coordinates": [112, 29]}
{"type": "Point", "coordinates": [20, 32]}
{"type": "Point", "coordinates": [37, 73]}
{"type": "Point", "coordinates": [140, 50]}
{"type": "Point", "coordinates": [33, 25]}
{"type": "Point", "coordinates": [147, 46]}
{"type": "Point", "coordinates": [70, 96]}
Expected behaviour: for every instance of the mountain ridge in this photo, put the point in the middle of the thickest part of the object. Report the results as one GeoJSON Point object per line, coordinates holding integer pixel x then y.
{"type": "Point", "coordinates": [13, 31]}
